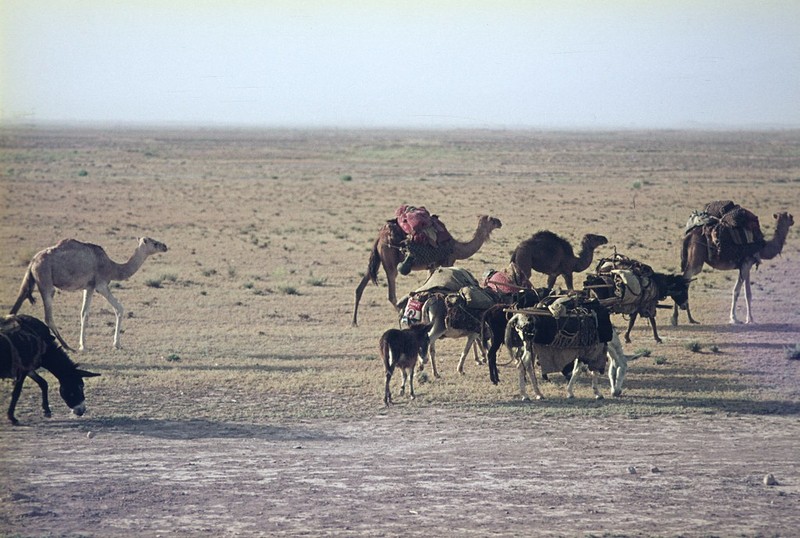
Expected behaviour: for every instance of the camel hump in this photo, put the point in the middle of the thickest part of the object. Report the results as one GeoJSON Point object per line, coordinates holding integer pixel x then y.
{"type": "Point", "coordinates": [718, 208]}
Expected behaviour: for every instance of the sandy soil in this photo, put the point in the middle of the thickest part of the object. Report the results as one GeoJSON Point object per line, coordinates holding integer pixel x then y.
{"type": "Point", "coordinates": [244, 404]}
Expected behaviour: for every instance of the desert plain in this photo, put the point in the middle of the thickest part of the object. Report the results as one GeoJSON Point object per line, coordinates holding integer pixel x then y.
{"type": "Point", "coordinates": [243, 402]}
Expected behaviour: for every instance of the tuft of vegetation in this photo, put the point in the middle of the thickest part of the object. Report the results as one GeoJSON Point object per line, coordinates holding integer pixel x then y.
{"type": "Point", "coordinates": [637, 185]}
{"type": "Point", "coordinates": [643, 351]}
{"type": "Point", "coordinates": [288, 290]}
{"type": "Point", "coordinates": [694, 347]}
{"type": "Point", "coordinates": [346, 177]}
{"type": "Point", "coordinates": [792, 353]}
{"type": "Point", "coordinates": [82, 173]}
{"type": "Point", "coordinates": [714, 348]}
{"type": "Point", "coordinates": [172, 357]}
{"type": "Point", "coordinates": [660, 360]}
{"type": "Point", "coordinates": [153, 283]}
{"type": "Point", "coordinates": [317, 282]}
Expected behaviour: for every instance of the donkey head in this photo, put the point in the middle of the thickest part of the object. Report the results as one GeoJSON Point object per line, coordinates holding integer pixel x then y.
{"type": "Point", "coordinates": [71, 390]}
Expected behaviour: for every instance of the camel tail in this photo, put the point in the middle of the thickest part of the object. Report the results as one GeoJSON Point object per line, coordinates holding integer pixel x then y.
{"type": "Point", "coordinates": [25, 291]}
{"type": "Point", "coordinates": [684, 254]}
{"type": "Point", "coordinates": [374, 263]}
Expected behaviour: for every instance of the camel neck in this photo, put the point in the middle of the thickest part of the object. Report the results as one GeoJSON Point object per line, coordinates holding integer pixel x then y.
{"type": "Point", "coordinates": [123, 271]}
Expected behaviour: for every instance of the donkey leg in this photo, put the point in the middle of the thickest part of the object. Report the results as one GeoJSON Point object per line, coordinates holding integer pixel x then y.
{"type": "Point", "coordinates": [387, 395]}
{"type": "Point", "coordinates": [14, 398]}
{"type": "Point", "coordinates": [576, 370]}
{"type": "Point", "coordinates": [630, 327]}
{"type": "Point", "coordinates": [655, 330]}
{"type": "Point", "coordinates": [470, 341]}
{"type": "Point", "coordinates": [595, 385]}
{"type": "Point", "coordinates": [42, 385]}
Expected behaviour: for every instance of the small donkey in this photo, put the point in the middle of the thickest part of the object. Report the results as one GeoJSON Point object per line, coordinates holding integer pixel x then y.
{"type": "Point", "coordinates": [402, 348]}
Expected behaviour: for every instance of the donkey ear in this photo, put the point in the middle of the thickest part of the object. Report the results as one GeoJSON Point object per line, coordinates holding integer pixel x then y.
{"type": "Point", "coordinates": [84, 373]}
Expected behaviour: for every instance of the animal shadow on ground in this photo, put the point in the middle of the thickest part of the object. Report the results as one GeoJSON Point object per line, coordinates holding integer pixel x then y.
{"type": "Point", "coordinates": [197, 429]}
{"type": "Point", "coordinates": [648, 405]}
{"type": "Point", "coordinates": [741, 328]}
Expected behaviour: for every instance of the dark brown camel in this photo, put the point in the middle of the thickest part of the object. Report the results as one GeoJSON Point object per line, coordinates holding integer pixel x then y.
{"type": "Point", "coordinates": [546, 252]}
{"type": "Point", "coordinates": [695, 253]}
{"type": "Point", "coordinates": [387, 251]}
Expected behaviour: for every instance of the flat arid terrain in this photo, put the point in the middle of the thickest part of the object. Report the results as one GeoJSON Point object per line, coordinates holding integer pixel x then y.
{"type": "Point", "coordinates": [243, 403]}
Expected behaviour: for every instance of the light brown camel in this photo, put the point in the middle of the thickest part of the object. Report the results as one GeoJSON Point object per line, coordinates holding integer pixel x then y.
{"type": "Point", "coordinates": [72, 265]}
{"type": "Point", "coordinates": [387, 251]}
{"type": "Point", "coordinates": [546, 252]}
{"type": "Point", "coordinates": [695, 253]}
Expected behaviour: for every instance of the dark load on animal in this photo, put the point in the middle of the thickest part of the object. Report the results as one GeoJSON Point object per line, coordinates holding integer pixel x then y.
{"type": "Point", "coordinates": [732, 232]}
{"type": "Point", "coordinates": [560, 331]}
{"type": "Point", "coordinates": [628, 286]}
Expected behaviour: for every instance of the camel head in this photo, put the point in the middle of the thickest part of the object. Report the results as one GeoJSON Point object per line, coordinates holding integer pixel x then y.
{"type": "Point", "coordinates": [485, 222]}
{"type": "Point", "coordinates": [151, 246]}
{"type": "Point", "coordinates": [593, 241]}
{"type": "Point", "coordinates": [784, 219]}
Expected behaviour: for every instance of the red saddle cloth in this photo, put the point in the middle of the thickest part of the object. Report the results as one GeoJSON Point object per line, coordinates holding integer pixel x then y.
{"type": "Point", "coordinates": [421, 226]}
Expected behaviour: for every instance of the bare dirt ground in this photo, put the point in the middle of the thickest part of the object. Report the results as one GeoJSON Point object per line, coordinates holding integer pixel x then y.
{"type": "Point", "coordinates": [243, 403]}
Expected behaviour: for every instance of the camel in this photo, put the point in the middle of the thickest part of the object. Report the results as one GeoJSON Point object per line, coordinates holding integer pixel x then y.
{"type": "Point", "coordinates": [72, 265]}
{"type": "Point", "coordinates": [546, 252]}
{"type": "Point", "coordinates": [695, 253]}
{"type": "Point", "coordinates": [387, 251]}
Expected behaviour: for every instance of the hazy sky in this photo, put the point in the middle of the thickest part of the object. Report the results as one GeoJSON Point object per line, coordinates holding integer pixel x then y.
{"type": "Point", "coordinates": [488, 63]}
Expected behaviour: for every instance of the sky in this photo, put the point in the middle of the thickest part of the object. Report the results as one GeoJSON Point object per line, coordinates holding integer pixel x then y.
{"type": "Point", "coordinates": [562, 64]}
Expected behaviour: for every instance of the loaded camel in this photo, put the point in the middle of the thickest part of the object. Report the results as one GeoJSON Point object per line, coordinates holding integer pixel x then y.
{"type": "Point", "coordinates": [546, 252]}
{"type": "Point", "coordinates": [695, 253]}
{"type": "Point", "coordinates": [73, 265]}
{"type": "Point", "coordinates": [386, 251]}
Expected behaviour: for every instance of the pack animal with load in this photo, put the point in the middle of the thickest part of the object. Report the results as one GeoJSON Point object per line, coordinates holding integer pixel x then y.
{"type": "Point", "coordinates": [630, 287]}
{"type": "Point", "coordinates": [560, 331]}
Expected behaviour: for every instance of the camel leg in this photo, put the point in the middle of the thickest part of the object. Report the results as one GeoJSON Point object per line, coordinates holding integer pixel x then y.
{"type": "Point", "coordinates": [551, 281]}
{"type": "Point", "coordinates": [359, 292]}
{"type": "Point", "coordinates": [568, 280]}
{"type": "Point", "coordinates": [387, 395]}
{"type": "Point", "coordinates": [689, 315]}
{"type": "Point", "coordinates": [42, 385]}
{"type": "Point", "coordinates": [736, 289]}
{"type": "Point", "coordinates": [411, 381]}
{"type": "Point", "coordinates": [118, 310]}
{"type": "Point", "coordinates": [391, 280]}
{"type": "Point", "coordinates": [595, 385]}
{"type": "Point", "coordinates": [87, 302]}
{"type": "Point", "coordinates": [748, 296]}
{"type": "Point", "coordinates": [674, 319]}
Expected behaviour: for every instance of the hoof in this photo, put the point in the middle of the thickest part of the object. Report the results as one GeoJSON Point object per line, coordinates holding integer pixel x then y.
{"type": "Point", "coordinates": [617, 393]}
{"type": "Point", "coordinates": [526, 399]}
{"type": "Point", "coordinates": [570, 396]}
{"type": "Point", "coordinates": [599, 397]}
{"type": "Point", "coordinates": [47, 414]}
